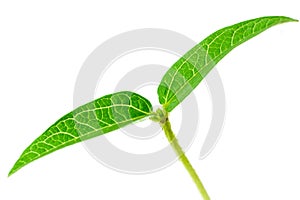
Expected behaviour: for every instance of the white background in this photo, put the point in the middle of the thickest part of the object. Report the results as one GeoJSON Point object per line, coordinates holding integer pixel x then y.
{"type": "Point", "coordinates": [43, 45]}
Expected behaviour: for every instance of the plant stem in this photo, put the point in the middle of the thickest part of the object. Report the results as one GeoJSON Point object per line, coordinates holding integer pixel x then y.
{"type": "Point", "coordinates": [174, 143]}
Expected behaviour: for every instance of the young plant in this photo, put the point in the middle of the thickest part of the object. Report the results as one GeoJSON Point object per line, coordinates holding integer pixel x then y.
{"type": "Point", "coordinates": [117, 110]}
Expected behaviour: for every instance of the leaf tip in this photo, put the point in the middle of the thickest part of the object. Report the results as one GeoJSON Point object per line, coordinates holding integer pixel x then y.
{"type": "Point", "coordinates": [292, 19]}
{"type": "Point", "coordinates": [12, 171]}
{"type": "Point", "coordinates": [16, 167]}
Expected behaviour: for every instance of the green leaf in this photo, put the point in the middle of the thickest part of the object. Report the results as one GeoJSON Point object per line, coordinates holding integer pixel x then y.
{"type": "Point", "coordinates": [180, 80]}
{"type": "Point", "coordinates": [100, 116]}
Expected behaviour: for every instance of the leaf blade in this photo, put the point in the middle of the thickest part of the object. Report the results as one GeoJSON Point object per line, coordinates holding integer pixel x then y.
{"type": "Point", "coordinates": [95, 118]}
{"type": "Point", "coordinates": [185, 74]}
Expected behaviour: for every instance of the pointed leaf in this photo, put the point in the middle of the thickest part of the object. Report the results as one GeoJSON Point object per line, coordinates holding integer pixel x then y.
{"type": "Point", "coordinates": [180, 80]}
{"type": "Point", "coordinates": [100, 116]}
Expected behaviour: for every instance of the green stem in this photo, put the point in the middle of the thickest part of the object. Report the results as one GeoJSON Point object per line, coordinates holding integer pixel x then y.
{"type": "Point", "coordinates": [174, 143]}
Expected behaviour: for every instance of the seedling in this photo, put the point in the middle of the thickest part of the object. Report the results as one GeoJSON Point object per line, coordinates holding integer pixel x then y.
{"type": "Point", "coordinates": [117, 110]}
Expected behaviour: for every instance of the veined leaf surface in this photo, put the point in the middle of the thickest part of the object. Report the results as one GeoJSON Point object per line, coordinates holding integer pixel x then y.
{"type": "Point", "coordinates": [100, 116]}
{"type": "Point", "coordinates": [180, 80]}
